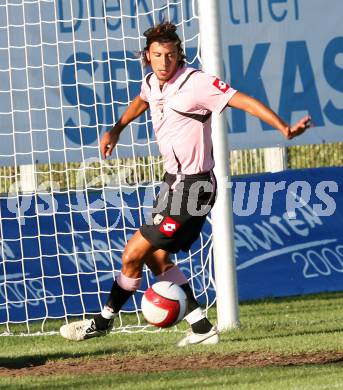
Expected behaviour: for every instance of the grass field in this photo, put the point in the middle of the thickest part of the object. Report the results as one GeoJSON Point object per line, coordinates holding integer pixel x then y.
{"type": "Point", "coordinates": [294, 343]}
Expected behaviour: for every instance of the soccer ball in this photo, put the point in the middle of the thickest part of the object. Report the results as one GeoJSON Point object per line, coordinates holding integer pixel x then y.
{"type": "Point", "coordinates": [164, 304]}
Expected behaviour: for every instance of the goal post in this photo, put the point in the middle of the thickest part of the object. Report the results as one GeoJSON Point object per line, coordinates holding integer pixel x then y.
{"type": "Point", "coordinates": [222, 215]}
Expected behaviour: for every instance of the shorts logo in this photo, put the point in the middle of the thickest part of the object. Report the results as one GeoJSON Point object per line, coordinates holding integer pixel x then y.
{"type": "Point", "coordinates": [169, 227]}
{"type": "Point", "coordinates": [158, 218]}
{"type": "Point", "coordinates": [221, 85]}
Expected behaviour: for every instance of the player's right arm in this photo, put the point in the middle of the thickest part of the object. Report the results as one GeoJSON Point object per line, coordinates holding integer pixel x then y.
{"type": "Point", "coordinates": [110, 138]}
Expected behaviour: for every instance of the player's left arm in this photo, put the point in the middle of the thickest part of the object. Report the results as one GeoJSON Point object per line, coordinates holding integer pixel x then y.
{"type": "Point", "coordinates": [255, 107]}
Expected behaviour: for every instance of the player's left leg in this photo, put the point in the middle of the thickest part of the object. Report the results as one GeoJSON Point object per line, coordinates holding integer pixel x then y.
{"type": "Point", "coordinates": [190, 197]}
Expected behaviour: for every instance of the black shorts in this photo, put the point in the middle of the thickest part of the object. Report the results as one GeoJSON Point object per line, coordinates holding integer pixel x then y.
{"type": "Point", "coordinates": [180, 210]}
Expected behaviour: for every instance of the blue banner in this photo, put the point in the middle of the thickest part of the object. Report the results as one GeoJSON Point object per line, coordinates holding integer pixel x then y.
{"type": "Point", "coordinates": [59, 254]}
{"type": "Point", "coordinates": [290, 241]}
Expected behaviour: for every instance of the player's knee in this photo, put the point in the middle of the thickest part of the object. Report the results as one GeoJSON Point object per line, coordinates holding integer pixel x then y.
{"type": "Point", "coordinates": [131, 260]}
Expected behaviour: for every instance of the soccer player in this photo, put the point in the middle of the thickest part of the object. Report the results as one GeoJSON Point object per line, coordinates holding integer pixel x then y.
{"type": "Point", "coordinates": [181, 100]}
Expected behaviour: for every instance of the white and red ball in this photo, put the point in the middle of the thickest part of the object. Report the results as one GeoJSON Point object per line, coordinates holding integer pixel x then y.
{"type": "Point", "coordinates": [164, 304]}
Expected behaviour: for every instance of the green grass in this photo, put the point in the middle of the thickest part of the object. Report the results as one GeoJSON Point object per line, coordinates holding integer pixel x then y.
{"type": "Point", "coordinates": [307, 324]}
{"type": "Point", "coordinates": [328, 377]}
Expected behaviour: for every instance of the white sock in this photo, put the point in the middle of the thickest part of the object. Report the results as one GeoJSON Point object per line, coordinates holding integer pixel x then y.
{"type": "Point", "coordinates": [195, 316]}
{"type": "Point", "coordinates": [108, 313]}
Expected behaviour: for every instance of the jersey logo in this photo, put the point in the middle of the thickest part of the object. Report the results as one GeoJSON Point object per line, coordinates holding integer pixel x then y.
{"type": "Point", "coordinates": [221, 85]}
{"type": "Point", "coordinates": [169, 227]}
{"type": "Point", "coordinates": [158, 219]}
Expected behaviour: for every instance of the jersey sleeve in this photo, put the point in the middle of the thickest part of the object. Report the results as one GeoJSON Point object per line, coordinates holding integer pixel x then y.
{"type": "Point", "coordinates": [212, 93]}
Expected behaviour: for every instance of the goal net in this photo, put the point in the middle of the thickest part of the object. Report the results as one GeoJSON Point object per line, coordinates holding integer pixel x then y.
{"type": "Point", "coordinates": [68, 69]}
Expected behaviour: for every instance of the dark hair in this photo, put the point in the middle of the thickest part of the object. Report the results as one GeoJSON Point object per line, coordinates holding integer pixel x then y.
{"type": "Point", "coordinates": [163, 33]}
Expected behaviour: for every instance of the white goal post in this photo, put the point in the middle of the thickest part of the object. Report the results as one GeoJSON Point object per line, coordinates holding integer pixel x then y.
{"type": "Point", "coordinates": [222, 215]}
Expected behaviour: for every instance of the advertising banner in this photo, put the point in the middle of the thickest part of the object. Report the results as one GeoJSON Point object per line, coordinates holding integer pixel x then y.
{"type": "Point", "coordinates": [288, 239]}
{"type": "Point", "coordinates": [284, 54]}
{"type": "Point", "coordinates": [69, 69]}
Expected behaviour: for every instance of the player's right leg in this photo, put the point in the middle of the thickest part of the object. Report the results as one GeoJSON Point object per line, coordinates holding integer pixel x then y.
{"type": "Point", "coordinates": [127, 282]}
{"type": "Point", "coordinates": [202, 331]}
